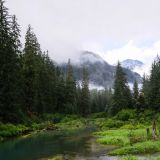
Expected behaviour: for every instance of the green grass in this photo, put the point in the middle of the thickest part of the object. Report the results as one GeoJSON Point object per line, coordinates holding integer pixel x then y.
{"type": "Point", "coordinates": [121, 137]}
{"type": "Point", "coordinates": [10, 130]}
{"type": "Point", "coordinates": [129, 157]}
{"type": "Point", "coordinates": [130, 139]}
{"type": "Point", "coordinates": [113, 137]}
{"type": "Point", "coordinates": [138, 148]}
{"type": "Point", "coordinates": [46, 122]}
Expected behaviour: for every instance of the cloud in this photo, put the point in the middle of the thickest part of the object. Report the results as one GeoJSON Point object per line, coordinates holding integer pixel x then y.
{"type": "Point", "coordinates": [131, 51]}
{"type": "Point", "coordinates": [67, 27]}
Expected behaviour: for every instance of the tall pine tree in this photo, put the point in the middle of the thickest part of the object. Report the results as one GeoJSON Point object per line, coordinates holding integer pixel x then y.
{"type": "Point", "coordinates": [85, 95]}
{"type": "Point", "coordinates": [135, 93]}
{"type": "Point", "coordinates": [31, 68]}
{"type": "Point", "coordinates": [154, 85]}
{"type": "Point", "coordinates": [122, 96]}
{"type": "Point", "coordinates": [9, 49]}
{"type": "Point", "coordinates": [70, 90]}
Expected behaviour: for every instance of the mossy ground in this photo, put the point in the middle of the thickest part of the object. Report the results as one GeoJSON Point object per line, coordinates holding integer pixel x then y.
{"type": "Point", "coordinates": [131, 137]}
{"type": "Point", "coordinates": [126, 130]}
{"type": "Point", "coordinates": [128, 141]}
{"type": "Point", "coordinates": [68, 123]}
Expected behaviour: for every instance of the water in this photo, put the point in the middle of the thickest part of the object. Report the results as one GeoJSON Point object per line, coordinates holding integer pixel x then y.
{"type": "Point", "coordinates": [79, 145]}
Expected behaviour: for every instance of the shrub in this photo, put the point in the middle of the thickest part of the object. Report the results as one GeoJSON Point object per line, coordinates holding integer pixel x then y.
{"type": "Point", "coordinates": [138, 148]}
{"type": "Point", "coordinates": [99, 115]}
{"type": "Point", "coordinates": [10, 130]}
{"type": "Point", "coordinates": [110, 123]}
{"type": "Point", "coordinates": [56, 118]}
{"type": "Point", "coordinates": [125, 115]}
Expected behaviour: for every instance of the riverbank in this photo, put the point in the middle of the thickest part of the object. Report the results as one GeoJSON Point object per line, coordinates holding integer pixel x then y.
{"type": "Point", "coordinates": [133, 135]}
{"type": "Point", "coordinates": [127, 130]}
{"type": "Point", "coordinates": [47, 122]}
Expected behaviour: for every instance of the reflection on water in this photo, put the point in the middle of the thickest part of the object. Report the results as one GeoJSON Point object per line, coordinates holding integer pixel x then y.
{"type": "Point", "coordinates": [80, 145]}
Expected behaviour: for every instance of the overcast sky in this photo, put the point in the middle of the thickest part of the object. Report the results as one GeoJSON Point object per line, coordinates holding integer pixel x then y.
{"type": "Point", "coordinates": [115, 29]}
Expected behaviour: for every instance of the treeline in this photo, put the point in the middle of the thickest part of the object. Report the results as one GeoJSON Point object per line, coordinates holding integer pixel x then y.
{"type": "Point", "coordinates": [31, 84]}
{"type": "Point", "coordinates": [148, 97]}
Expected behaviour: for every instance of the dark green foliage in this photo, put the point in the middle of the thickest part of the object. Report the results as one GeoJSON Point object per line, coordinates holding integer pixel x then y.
{"type": "Point", "coordinates": [10, 130]}
{"type": "Point", "coordinates": [146, 89]}
{"type": "Point", "coordinates": [85, 95]}
{"type": "Point", "coordinates": [154, 85]}
{"type": "Point", "coordinates": [140, 104]}
{"type": "Point", "coordinates": [70, 90]}
{"type": "Point", "coordinates": [31, 71]}
{"type": "Point", "coordinates": [135, 91]}
{"type": "Point", "coordinates": [9, 66]}
{"type": "Point", "coordinates": [39, 77]}
{"type": "Point", "coordinates": [79, 98]}
{"type": "Point", "coordinates": [60, 94]}
{"type": "Point", "coordinates": [100, 100]}
{"type": "Point", "coordinates": [126, 115]}
{"type": "Point", "coordinates": [122, 96]}
{"type": "Point", "coordinates": [32, 86]}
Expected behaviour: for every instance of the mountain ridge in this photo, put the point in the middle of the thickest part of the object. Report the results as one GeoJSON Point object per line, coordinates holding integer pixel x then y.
{"type": "Point", "coordinates": [132, 64]}
{"type": "Point", "coordinates": [101, 73]}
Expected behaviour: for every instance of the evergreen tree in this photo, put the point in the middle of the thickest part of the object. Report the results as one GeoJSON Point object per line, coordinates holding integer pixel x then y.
{"type": "Point", "coordinates": [140, 105]}
{"type": "Point", "coordinates": [31, 68]}
{"type": "Point", "coordinates": [135, 93]}
{"type": "Point", "coordinates": [154, 85]}
{"type": "Point", "coordinates": [135, 90]}
{"type": "Point", "coordinates": [122, 96]}
{"type": "Point", "coordinates": [8, 66]}
{"type": "Point", "coordinates": [78, 97]}
{"type": "Point", "coordinates": [94, 101]}
{"type": "Point", "coordinates": [15, 33]}
{"type": "Point", "coordinates": [49, 87]}
{"type": "Point", "coordinates": [145, 89]}
{"type": "Point", "coordinates": [60, 92]}
{"type": "Point", "coordinates": [70, 97]}
{"type": "Point", "coordinates": [85, 95]}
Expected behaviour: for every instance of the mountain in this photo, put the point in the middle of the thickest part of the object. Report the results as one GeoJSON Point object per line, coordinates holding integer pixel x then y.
{"type": "Point", "coordinates": [132, 64]}
{"type": "Point", "coordinates": [100, 72]}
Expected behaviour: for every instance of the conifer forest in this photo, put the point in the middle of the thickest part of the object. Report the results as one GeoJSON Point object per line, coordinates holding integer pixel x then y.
{"type": "Point", "coordinates": [49, 111]}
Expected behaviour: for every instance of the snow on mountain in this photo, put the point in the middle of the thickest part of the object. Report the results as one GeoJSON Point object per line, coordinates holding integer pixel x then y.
{"type": "Point", "coordinates": [100, 72]}
{"type": "Point", "coordinates": [131, 64]}
{"type": "Point", "coordinates": [90, 57]}
{"type": "Point", "coordinates": [134, 65]}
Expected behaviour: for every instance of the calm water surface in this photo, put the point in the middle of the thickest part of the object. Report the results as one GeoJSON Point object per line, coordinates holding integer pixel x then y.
{"type": "Point", "coordinates": [79, 145]}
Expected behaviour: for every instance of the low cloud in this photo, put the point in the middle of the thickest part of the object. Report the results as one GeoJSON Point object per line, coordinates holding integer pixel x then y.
{"type": "Point", "coordinates": [132, 51]}
{"type": "Point", "coordinates": [66, 27]}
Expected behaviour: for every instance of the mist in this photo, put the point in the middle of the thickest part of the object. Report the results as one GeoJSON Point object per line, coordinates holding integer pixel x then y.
{"type": "Point", "coordinates": [66, 28]}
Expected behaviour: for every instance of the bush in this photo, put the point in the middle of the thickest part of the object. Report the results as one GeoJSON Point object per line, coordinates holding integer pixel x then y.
{"type": "Point", "coordinates": [99, 115]}
{"type": "Point", "coordinates": [69, 118]}
{"type": "Point", "coordinates": [110, 123]}
{"type": "Point", "coordinates": [40, 126]}
{"type": "Point", "coordinates": [105, 123]}
{"type": "Point", "coordinates": [55, 118]}
{"type": "Point", "coordinates": [125, 115]}
{"type": "Point", "coordinates": [138, 148]}
{"type": "Point", "coordinates": [133, 126]}
{"type": "Point", "coordinates": [10, 130]}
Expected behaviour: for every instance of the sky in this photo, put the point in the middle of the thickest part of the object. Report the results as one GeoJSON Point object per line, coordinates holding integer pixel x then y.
{"type": "Point", "coordinates": [115, 29]}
